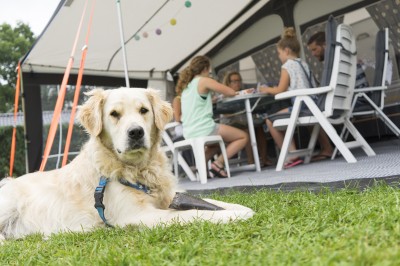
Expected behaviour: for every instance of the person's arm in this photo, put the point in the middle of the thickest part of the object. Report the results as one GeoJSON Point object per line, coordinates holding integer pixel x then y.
{"type": "Point", "coordinates": [176, 106]}
{"type": "Point", "coordinates": [283, 86]}
{"type": "Point", "coordinates": [207, 84]}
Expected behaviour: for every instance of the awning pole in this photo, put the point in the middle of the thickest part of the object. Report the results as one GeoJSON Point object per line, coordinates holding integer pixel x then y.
{"type": "Point", "coordinates": [121, 30]}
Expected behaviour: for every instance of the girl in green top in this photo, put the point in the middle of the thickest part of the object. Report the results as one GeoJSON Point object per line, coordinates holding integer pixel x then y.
{"type": "Point", "coordinates": [197, 115]}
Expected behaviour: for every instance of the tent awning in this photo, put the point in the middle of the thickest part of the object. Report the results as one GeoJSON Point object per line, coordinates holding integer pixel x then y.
{"type": "Point", "coordinates": [150, 54]}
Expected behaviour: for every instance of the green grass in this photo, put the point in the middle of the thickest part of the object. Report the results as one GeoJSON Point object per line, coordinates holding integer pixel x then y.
{"type": "Point", "coordinates": [346, 227]}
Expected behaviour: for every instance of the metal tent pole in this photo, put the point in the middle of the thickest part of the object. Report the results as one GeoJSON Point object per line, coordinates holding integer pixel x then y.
{"type": "Point", "coordinates": [121, 30]}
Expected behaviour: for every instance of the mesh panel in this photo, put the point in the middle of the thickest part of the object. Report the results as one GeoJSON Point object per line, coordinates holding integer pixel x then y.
{"type": "Point", "coordinates": [49, 95]}
{"type": "Point", "coordinates": [268, 63]}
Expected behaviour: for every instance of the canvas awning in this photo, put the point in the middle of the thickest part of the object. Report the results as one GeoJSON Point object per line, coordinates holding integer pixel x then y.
{"type": "Point", "coordinates": [158, 47]}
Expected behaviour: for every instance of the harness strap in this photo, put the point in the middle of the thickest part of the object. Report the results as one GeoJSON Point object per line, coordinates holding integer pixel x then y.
{"type": "Point", "coordinates": [99, 195]}
{"type": "Point", "coordinates": [137, 185]}
{"type": "Point", "coordinates": [98, 199]}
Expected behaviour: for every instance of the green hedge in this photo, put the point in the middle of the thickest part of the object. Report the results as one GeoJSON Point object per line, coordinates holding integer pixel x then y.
{"type": "Point", "coordinates": [78, 137]}
{"type": "Point", "coordinates": [5, 144]}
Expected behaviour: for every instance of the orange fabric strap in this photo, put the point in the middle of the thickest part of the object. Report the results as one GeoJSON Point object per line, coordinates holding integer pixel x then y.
{"type": "Point", "coordinates": [77, 90]}
{"type": "Point", "coordinates": [14, 133]}
{"type": "Point", "coordinates": [61, 96]}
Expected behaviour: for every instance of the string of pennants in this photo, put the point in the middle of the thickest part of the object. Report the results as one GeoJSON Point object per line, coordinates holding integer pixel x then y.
{"type": "Point", "coordinates": [158, 31]}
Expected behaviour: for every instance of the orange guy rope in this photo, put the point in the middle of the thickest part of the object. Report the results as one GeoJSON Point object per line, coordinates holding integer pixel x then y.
{"type": "Point", "coordinates": [77, 90]}
{"type": "Point", "coordinates": [14, 133]}
{"type": "Point", "coordinates": [61, 96]}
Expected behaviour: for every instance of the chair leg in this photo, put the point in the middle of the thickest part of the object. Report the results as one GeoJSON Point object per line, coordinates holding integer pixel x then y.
{"type": "Point", "coordinates": [225, 156]}
{"type": "Point", "coordinates": [359, 138]}
{"type": "Point", "coordinates": [289, 134]}
{"type": "Point", "coordinates": [175, 152]}
{"type": "Point", "coordinates": [344, 150]}
{"type": "Point", "coordinates": [388, 122]}
{"type": "Point", "coordinates": [201, 165]}
{"type": "Point", "coordinates": [186, 167]}
{"type": "Point", "coordinates": [312, 142]}
{"type": "Point", "coordinates": [343, 135]}
{"type": "Point", "coordinates": [330, 131]}
{"type": "Point", "coordinates": [385, 119]}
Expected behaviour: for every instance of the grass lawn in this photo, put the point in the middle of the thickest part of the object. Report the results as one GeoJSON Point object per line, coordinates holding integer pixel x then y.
{"type": "Point", "coordinates": [346, 227]}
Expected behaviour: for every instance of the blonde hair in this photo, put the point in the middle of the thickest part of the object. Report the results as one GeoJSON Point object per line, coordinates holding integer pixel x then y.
{"type": "Point", "coordinates": [228, 76]}
{"type": "Point", "coordinates": [196, 66]}
{"type": "Point", "coordinates": [289, 40]}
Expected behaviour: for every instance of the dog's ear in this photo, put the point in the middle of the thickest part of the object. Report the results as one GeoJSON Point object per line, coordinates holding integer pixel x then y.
{"type": "Point", "coordinates": [90, 113]}
{"type": "Point", "coordinates": [162, 109]}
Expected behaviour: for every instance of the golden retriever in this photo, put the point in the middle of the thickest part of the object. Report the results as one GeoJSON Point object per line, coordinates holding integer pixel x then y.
{"type": "Point", "coordinates": [124, 126]}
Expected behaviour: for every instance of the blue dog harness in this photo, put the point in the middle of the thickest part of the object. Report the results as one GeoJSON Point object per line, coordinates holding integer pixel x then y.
{"type": "Point", "coordinates": [99, 195]}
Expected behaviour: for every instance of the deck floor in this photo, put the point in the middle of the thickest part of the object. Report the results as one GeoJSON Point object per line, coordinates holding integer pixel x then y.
{"type": "Point", "coordinates": [328, 173]}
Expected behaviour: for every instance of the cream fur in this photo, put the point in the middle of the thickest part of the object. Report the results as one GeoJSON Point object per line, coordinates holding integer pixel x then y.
{"type": "Point", "coordinates": [62, 200]}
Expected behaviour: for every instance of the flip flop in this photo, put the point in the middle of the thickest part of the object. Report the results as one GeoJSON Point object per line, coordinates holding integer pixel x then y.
{"type": "Point", "coordinates": [320, 157]}
{"type": "Point", "coordinates": [294, 163]}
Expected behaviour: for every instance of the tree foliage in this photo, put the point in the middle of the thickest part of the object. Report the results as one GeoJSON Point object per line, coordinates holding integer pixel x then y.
{"type": "Point", "coordinates": [14, 44]}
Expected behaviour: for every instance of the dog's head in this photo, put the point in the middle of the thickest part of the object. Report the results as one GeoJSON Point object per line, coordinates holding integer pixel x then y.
{"type": "Point", "coordinates": [127, 121]}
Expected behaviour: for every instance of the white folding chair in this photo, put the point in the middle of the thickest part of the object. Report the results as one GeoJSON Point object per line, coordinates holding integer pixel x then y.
{"type": "Point", "coordinates": [333, 104]}
{"type": "Point", "coordinates": [197, 145]}
{"type": "Point", "coordinates": [374, 103]}
{"type": "Point", "coordinates": [169, 148]}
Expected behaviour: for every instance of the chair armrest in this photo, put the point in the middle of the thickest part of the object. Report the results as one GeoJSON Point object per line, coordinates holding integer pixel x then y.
{"type": "Point", "coordinates": [368, 89]}
{"type": "Point", "coordinates": [302, 92]}
{"type": "Point", "coordinates": [171, 125]}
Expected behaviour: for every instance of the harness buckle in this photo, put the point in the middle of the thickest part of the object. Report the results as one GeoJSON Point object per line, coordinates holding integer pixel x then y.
{"type": "Point", "coordinates": [98, 197]}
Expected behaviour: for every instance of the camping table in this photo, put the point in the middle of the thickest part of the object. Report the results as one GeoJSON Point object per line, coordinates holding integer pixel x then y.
{"type": "Point", "coordinates": [251, 104]}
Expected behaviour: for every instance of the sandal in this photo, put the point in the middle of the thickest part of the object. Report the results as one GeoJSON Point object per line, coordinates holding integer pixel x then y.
{"type": "Point", "coordinates": [218, 171]}
{"type": "Point", "coordinates": [293, 163]}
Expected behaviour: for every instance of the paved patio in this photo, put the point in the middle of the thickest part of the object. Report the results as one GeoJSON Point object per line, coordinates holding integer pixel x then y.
{"type": "Point", "coordinates": [384, 166]}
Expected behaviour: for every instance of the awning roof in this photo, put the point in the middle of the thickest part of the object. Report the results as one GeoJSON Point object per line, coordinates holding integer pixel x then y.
{"type": "Point", "coordinates": [196, 27]}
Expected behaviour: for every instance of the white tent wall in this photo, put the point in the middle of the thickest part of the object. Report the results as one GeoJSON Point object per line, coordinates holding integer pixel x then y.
{"type": "Point", "coordinates": [259, 33]}
{"type": "Point", "coordinates": [248, 70]}
{"type": "Point", "coordinates": [163, 86]}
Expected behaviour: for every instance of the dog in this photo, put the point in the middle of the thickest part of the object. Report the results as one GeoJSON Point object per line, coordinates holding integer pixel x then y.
{"type": "Point", "coordinates": [120, 177]}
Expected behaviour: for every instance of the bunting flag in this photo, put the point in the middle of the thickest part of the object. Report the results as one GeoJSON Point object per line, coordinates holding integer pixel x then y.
{"type": "Point", "coordinates": [158, 31]}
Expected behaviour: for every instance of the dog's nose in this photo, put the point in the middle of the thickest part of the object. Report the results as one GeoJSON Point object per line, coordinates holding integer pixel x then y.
{"type": "Point", "coordinates": [136, 133]}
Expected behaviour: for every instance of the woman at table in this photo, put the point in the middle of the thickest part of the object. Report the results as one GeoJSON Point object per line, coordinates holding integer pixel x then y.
{"type": "Point", "coordinates": [295, 74]}
{"type": "Point", "coordinates": [197, 112]}
{"type": "Point", "coordinates": [234, 80]}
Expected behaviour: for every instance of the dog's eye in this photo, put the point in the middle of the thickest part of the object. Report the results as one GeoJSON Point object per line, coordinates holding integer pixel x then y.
{"type": "Point", "coordinates": [143, 110]}
{"type": "Point", "coordinates": [114, 114]}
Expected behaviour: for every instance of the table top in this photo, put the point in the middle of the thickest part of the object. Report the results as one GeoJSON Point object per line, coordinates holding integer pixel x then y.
{"type": "Point", "coordinates": [235, 104]}
{"type": "Point", "coordinates": [245, 96]}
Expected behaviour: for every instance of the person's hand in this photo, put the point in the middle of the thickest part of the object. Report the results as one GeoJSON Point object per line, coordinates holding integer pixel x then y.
{"type": "Point", "coordinates": [263, 89]}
